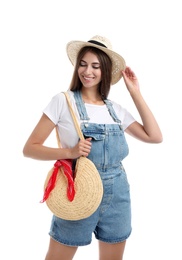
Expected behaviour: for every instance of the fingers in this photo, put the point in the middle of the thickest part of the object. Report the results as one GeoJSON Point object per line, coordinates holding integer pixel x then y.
{"type": "Point", "coordinates": [82, 148]}
{"type": "Point", "coordinates": [129, 73]}
{"type": "Point", "coordinates": [85, 147]}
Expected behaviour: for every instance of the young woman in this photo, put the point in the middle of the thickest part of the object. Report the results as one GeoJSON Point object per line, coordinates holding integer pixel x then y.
{"type": "Point", "coordinates": [104, 124]}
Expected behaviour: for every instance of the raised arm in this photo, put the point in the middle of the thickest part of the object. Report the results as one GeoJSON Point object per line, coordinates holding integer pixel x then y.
{"type": "Point", "coordinates": [149, 130]}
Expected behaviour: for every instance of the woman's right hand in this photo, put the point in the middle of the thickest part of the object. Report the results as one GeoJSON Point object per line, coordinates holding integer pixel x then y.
{"type": "Point", "coordinates": [82, 148]}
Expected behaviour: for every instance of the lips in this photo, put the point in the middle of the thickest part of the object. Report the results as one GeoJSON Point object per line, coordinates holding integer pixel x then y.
{"type": "Point", "coordinates": [88, 78]}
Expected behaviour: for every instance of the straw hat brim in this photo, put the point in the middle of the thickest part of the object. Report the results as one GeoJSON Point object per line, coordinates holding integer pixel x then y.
{"type": "Point", "coordinates": [118, 62]}
{"type": "Point", "coordinates": [88, 192]}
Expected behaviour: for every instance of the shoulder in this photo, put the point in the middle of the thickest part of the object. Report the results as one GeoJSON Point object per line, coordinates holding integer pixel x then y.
{"type": "Point", "coordinates": [60, 98]}
{"type": "Point", "coordinates": [56, 104]}
{"type": "Point", "coordinates": [117, 107]}
{"type": "Point", "coordinates": [123, 114]}
{"type": "Point", "coordinates": [57, 108]}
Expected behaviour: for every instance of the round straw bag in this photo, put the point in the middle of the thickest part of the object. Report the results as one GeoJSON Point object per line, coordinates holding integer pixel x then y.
{"type": "Point", "coordinates": [88, 192]}
{"type": "Point", "coordinates": [88, 187]}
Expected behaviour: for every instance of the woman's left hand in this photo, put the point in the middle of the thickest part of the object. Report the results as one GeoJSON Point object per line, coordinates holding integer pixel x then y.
{"type": "Point", "coordinates": [130, 79]}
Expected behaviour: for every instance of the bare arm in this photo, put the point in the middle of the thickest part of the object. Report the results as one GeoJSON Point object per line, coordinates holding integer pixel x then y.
{"type": "Point", "coordinates": [35, 148]}
{"type": "Point", "coordinates": [149, 130]}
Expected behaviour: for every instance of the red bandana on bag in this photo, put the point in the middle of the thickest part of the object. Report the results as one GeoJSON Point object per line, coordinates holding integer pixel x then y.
{"type": "Point", "coordinates": [67, 169]}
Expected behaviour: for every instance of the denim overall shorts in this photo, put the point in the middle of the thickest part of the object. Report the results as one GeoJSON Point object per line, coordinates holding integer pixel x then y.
{"type": "Point", "coordinates": [111, 223]}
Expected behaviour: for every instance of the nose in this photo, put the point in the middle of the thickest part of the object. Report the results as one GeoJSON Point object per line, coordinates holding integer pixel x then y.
{"type": "Point", "coordinates": [88, 69]}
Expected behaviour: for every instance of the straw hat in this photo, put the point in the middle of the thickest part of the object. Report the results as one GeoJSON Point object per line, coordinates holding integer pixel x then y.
{"type": "Point", "coordinates": [88, 192]}
{"type": "Point", "coordinates": [102, 43]}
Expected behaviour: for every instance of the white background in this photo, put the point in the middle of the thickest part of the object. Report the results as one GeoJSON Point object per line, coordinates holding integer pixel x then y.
{"type": "Point", "coordinates": [34, 67]}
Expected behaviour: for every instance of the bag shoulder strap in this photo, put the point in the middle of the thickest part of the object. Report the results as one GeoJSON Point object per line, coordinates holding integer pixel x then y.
{"type": "Point", "coordinates": [77, 126]}
{"type": "Point", "coordinates": [80, 134]}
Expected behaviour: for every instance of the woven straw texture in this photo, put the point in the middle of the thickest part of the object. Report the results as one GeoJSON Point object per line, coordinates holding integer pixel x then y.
{"type": "Point", "coordinates": [89, 192]}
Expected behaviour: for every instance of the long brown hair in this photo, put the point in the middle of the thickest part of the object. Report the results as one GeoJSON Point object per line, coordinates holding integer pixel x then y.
{"type": "Point", "coordinates": [106, 71]}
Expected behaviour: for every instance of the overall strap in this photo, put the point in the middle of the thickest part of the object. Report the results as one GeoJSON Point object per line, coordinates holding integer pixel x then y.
{"type": "Point", "coordinates": [77, 126]}
{"type": "Point", "coordinates": [111, 111]}
{"type": "Point", "coordinates": [80, 106]}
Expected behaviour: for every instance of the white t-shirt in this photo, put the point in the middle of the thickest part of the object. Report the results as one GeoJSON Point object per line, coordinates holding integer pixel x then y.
{"type": "Point", "coordinates": [58, 112]}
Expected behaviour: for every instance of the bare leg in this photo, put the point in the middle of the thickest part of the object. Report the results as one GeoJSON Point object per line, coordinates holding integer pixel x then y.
{"type": "Point", "coordinates": [111, 251]}
{"type": "Point", "coordinates": [59, 251]}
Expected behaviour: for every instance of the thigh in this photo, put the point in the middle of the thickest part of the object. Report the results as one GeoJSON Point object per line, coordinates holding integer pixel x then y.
{"type": "Point", "coordinates": [74, 233]}
{"type": "Point", "coordinates": [59, 251]}
{"type": "Point", "coordinates": [111, 251]}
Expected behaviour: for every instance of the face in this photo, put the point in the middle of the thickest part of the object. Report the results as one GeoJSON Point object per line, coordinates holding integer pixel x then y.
{"type": "Point", "coordinates": [89, 70]}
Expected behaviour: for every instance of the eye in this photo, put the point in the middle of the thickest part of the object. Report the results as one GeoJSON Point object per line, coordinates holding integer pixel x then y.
{"type": "Point", "coordinates": [96, 67]}
{"type": "Point", "coordinates": [83, 64]}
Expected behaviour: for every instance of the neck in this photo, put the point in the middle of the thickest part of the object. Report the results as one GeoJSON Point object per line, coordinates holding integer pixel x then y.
{"type": "Point", "coordinates": [92, 97]}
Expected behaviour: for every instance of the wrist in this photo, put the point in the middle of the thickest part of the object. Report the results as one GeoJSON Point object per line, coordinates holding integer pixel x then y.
{"type": "Point", "coordinates": [135, 93]}
{"type": "Point", "coordinates": [68, 153]}
{"type": "Point", "coordinates": [64, 153]}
